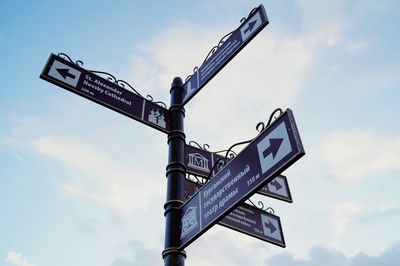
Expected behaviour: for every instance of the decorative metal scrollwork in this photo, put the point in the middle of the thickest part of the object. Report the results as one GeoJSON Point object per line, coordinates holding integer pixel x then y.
{"type": "Point", "coordinates": [260, 205]}
{"type": "Point", "coordinates": [231, 154]}
{"type": "Point", "coordinates": [197, 182]}
{"type": "Point", "coordinates": [216, 47]}
{"type": "Point", "coordinates": [112, 78]}
{"type": "Point", "coordinates": [229, 151]}
{"type": "Point", "coordinates": [79, 63]}
{"type": "Point", "coordinates": [251, 13]}
{"type": "Point", "coordinates": [196, 179]}
{"type": "Point", "coordinates": [261, 126]}
{"type": "Point", "coordinates": [194, 71]}
{"type": "Point", "coordinates": [195, 144]}
{"type": "Point", "coordinates": [218, 165]}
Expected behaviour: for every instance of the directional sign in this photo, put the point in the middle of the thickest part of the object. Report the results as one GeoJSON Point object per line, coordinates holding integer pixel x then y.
{"type": "Point", "coordinates": [254, 222]}
{"type": "Point", "coordinates": [248, 220]}
{"type": "Point", "coordinates": [95, 88]}
{"type": "Point", "coordinates": [239, 39]}
{"type": "Point", "coordinates": [278, 188]}
{"type": "Point", "coordinates": [271, 152]}
{"type": "Point", "coordinates": [200, 162]}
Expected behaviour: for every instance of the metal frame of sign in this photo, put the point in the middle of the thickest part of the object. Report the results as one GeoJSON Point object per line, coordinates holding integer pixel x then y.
{"type": "Point", "coordinates": [226, 52]}
{"type": "Point", "coordinates": [267, 192]}
{"type": "Point", "coordinates": [81, 82]}
{"type": "Point", "coordinates": [221, 199]}
{"type": "Point", "coordinates": [258, 233]}
{"type": "Point", "coordinates": [213, 157]}
{"type": "Point", "coordinates": [193, 223]}
{"type": "Point", "coordinates": [246, 219]}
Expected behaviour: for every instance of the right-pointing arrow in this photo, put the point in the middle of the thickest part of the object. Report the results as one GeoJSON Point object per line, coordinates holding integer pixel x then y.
{"type": "Point", "coordinates": [273, 148]}
{"type": "Point", "coordinates": [251, 26]}
{"type": "Point", "coordinates": [270, 226]}
{"type": "Point", "coordinates": [65, 73]}
{"type": "Point", "coordinates": [276, 184]}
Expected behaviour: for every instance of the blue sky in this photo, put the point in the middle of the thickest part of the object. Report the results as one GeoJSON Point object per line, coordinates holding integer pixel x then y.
{"type": "Point", "coordinates": [83, 185]}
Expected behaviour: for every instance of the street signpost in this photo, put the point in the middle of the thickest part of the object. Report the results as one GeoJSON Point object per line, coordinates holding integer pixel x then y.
{"type": "Point", "coordinates": [248, 219]}
{"type": "Point", "coordinates": [221, 199]}
{"type": "Point", "coordinates": [271, 152]}
{"type": "Point", "coordinates": [75, 79]}
{"type": "Point", "coordinates": [256, 21]}
{"type": "Point", "coordinates": [200, 162]}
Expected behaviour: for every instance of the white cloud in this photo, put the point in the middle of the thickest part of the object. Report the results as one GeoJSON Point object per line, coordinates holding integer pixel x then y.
{"type": "Point", "coordinates": [344, 215]}
{"type": "Point", "coordinates": [351, 156]}
{"type": "Point", "coordinates": [17, 259]}
{"type": "Point", "coordinates": [322, 256]}
{"type": "Point", "coordinates": [227, 247]}
{"type": "Point", "coordinates": [102, 177]}
{"type": "Point", "coordinates": [135, 253]}
{"type": "Point", "coordinates": [268, 73]}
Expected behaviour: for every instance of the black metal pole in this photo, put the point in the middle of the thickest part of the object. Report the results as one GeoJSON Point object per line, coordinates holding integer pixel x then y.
{"type": "Point", "coordinates": [175, 180]}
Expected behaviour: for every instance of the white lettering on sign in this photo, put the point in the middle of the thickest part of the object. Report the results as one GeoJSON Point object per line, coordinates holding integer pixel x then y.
{"type": "Point", "coordinates": [101, 88]}
{"type": "Point", "coordinates": [215, 62]}
{"type": "Point", "coordinates": [222, 190]}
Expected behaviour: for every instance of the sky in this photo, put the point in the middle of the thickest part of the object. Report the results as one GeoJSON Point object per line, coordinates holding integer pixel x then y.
{"type": "Point", "coordinates": [83, 185]}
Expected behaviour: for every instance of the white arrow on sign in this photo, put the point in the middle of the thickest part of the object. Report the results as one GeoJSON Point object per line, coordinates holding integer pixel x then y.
{"type": "Point", "coordinates": [64, 73]}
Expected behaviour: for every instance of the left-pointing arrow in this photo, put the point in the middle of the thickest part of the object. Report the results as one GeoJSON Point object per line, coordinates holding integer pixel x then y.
{"type": "Point", "coordinates": [65, 73]}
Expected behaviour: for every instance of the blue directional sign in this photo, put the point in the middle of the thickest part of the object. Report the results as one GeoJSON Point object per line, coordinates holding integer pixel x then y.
{"type": "Point", "coordinates": [278, 188]}
{"type": "Point", "coordinates": [248, 220]}
{"type": "Point", "coordinates": [75, 79]}
{"type": "Point", "coordinates": [256, 223]}
{"type": "Point", "coordinates": [239, 39]}
{"type": "Point", "coordinates": [199, 162]}
{"type": "Point", "coordinates": [271, 152]}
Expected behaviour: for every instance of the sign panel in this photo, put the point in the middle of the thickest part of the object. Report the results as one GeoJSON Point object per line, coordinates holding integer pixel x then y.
{"type": "Point", "coordinates": [278, 188]}
{"type": "Point", "coordinates": [249, 220]}
{"type": "Point", "coordinates": [254, 222]}
{"type": "Point", "coordinates": [200, 162]}
{"type": "Point", "coordinates": [239, 39]}
{"type": "Point", "coordinates": [102, 91]}
{"type": "Point", "coordinates": [271, 152]}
